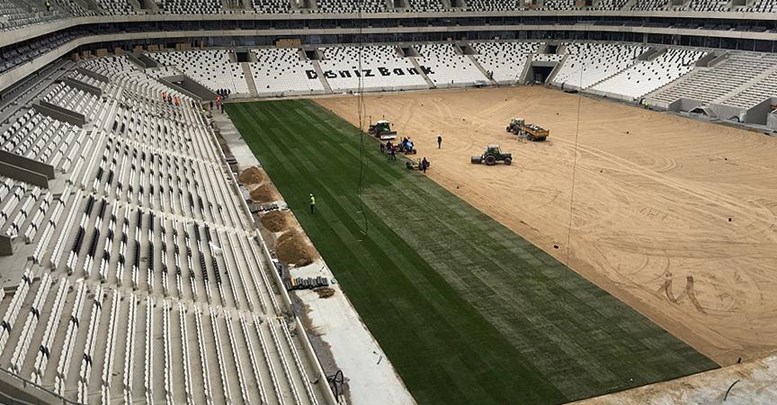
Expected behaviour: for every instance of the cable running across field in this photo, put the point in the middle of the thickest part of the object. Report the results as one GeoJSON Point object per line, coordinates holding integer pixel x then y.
{"type": "Point", "coordinates": [574, 167]}
{"type": "Point", "coordinates": [360, 111]}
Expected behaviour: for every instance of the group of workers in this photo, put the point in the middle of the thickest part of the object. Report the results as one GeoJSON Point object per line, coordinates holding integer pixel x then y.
{"type": "Point", "coordinates": [406, 146]}
{"type": "Point", "coordinates": [391, 150]}
{"type": "Point", "coordinates": [171, 99]}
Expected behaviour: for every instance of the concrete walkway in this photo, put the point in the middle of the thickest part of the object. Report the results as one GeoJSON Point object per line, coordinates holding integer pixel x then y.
{"type": "Point", "coordinates": [371, 377]}
{"type": "Point", "coordinates": [241, 151]}
{"type": "Point", "coordinates": [249, 79]}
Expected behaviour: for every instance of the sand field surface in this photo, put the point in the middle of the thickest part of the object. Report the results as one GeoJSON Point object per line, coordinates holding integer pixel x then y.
{"type": "Point", "coordinates": [675, 217]}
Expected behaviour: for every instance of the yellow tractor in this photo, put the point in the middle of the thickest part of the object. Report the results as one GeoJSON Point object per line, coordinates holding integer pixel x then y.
{"type": "Point", "coordinates": [531, 132]}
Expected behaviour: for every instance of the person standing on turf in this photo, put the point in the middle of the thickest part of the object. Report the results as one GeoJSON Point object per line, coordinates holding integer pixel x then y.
{"type": "Point", "coordinates": [439, 141]}
{"type": "Point", "coordinates": [312, 204]}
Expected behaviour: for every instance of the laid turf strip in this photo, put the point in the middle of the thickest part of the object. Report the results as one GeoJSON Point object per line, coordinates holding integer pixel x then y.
{"type": "Point", "coordinates": [467, 311]}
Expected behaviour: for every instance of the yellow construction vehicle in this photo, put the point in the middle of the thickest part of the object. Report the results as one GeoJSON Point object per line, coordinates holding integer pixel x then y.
{"type": "Point", "coordinates": [531, 132]}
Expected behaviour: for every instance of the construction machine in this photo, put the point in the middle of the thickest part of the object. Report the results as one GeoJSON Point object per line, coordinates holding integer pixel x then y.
{"type": "Point", "coordinates": [531, 132]}
{"type": "Point", "coordinates": [515, 125]}
{"type": "Point", "coordinates": [382, 130]}
{"type": "Point", "coordinates": [492, 155]}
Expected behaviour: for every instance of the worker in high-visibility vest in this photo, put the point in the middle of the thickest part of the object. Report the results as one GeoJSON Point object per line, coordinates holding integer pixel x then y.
{"type": "Point", "coordinates": [312, 204]}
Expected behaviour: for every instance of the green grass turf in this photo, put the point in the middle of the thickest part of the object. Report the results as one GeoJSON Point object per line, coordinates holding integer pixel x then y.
{"type": "Point", "coordinates": [467, 311]}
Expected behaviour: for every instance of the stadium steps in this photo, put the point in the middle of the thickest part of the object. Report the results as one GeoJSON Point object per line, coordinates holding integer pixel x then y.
{"type": "Point", "coordinates": [752, 82]}
{"type": "Point", "coordinates": [249, 79]}
{"type": "Point", "coordinates": [320, 73]}
{"type": "Point", "coordinates": [650, 97]}
{"type": "Point", "coordinates": [521, 79]}
{"type": "Point", "coordinates": [421, 71]}
{"type": "Point", "coordinates": [483, 71]}
{"type": "Point", "coordinates": [556, 69]}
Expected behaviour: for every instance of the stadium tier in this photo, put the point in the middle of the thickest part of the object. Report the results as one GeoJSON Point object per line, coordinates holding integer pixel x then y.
{"type": "Point", "coordinates": [134, 263]}
{"type": "Point", "coordinates": [649, 75]}
{"type": "Point", "coordinates": [380, 68]}
{"type": "Point", "coordinates": [212, 68]}
{"type": "Point", "coordinates": [284, 71]}
{"type": "Point", "coordinates": [588, 64]}
{"type": "Point", "coordinates": [447, 67]}
{"type": "Point", "coordinates": [146, 281]}
{"type": "Point", "coordinates": [504, 61]}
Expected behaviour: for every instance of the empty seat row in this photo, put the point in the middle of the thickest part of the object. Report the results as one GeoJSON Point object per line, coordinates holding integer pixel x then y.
{"type": "Point", "coordinates": [446, 66]}
{"type": "Point", "coordinates": [590, 63]}
{"type": "Point", "coordinates": [647, 76]}
{"type": "Point", "coordinates": [717, 83]}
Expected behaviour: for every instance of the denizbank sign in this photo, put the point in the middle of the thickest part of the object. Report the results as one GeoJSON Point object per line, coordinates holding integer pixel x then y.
{"type": "Point", "coordinates": [381, 71]}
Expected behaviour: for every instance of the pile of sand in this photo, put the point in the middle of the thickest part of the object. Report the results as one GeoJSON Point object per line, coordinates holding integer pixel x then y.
{"type": "Point", "coordinates": [275, 221]}
{"type": "Point", "coordinates": [325, 292]}
{"type": "Point", "coordinates": [292, 248]}
{"type": "Point", "coordinates": [252, 175]}
{"type": "Point", "coordinates": [264, 194]}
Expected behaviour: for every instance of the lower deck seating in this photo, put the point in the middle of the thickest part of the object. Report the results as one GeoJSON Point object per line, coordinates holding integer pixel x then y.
{"type": "Point", "coordinates": [212, 68]}
{"type": "Point", "coordinates": [382, 68]}
{"type": "Point", "coordinates": [504, 61]}
{"type": "Point", "coordinates": [148, 283]}
{"type": "Point", "coordinates": [758, 92]}
{"type": "Point", "coordinates": [446, 67]}
{"type": "Point", "coordinates": [589, 63]}
{"type": "Point", "coordinates": [647, 76]}
{"type": "Point", "coordinates": [280, 71]}
{"type": "Point", "coordinates": [709, 84]}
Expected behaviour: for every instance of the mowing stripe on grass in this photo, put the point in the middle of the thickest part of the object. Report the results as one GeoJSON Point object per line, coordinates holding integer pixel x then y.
{"type": "Point", "coordinates": [466, 310]}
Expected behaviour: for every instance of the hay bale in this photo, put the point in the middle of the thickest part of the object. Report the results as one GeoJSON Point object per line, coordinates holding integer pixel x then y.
{"type": "Point", "coordinates": [275, 221]}
{"type": "Point", "coordinates": [252, 175]}
{"type": "Point", "coordinates": [325, 292]}
{"type": "Point", "coordinates": [264, 194]}
{"type": "Point", "coordinates": [291, 248]}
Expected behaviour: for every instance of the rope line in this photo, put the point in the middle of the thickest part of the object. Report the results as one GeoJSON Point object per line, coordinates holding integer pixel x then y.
{"type": "Point", "coordinates": [574, 168]}
{"type": "Point", "coordinates": [361, 111]}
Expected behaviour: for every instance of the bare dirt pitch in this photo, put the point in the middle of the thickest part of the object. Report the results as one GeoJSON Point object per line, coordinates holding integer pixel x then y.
{"type": "Point", "coordinates": [675, 217]}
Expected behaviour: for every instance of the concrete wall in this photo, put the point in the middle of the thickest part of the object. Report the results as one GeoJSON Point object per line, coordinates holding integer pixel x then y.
{"type": "Point", "coordinates": [6, 247]}
{"type": "Point", "coordinates": [681, 104]}
{"type": "Point", "coordinates": [771, 120]}
{"type": "Point", "coordinates": [83, 86]}
{"type": "Point", "coordinates": [150, 63]}
{"type": "Point", "coordinates": [94, 75]}
{"type": "Point", "coordinates": [28, 164]}
{"type": "Point", "coordinates": [134, 59]}
{"type": "Point", "coordinates": [726, 113]}
{"type": "Point", "coordinates": [59, 113]}
{"type": "Point", "coordinates": [711, 59]}
{"type": "Point", "coordinates": [759, 113]}
{"type": "Point", "coordinates": [191, 88]}
{"type": "Point", "coordinates": [21, 174]}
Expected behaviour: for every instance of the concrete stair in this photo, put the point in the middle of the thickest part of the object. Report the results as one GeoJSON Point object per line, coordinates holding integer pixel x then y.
{"type": "Point", "coordinates": [421, 72]}
{"type": "Point", "coordinates": [320, 73]}
{"type": "Point", "coordinates": [249, 79]}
